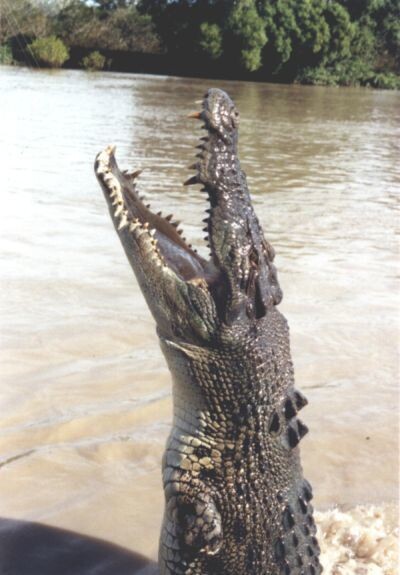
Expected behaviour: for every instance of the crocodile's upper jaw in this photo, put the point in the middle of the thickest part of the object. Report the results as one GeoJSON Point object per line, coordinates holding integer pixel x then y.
{"type": "Point", "coordinates": [189, 296]}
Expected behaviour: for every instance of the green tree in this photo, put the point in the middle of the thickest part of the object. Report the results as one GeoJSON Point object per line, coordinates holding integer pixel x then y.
{"type": "Point", "coordinates": [248, 33]}
{"type": "Point", "coordinates": [210, 41]}
{"type": "Point", "coordinates": [314, 30]}
{"type": "Point", "coordinates": [49, 51]}
{"type": "Point", "coordinates": [118, 29]}
{"type": "Point", "coordinates": [74, 21]}
{"type": "Point", "coordinates": [127, 29]}
{"type": "Point", "coordinates": [281, 29]}
{"type": "Point", "coordinates": [23, 18]}
{"type": "Point", "coordinates": [341, 31]}
{"type": "Point", "coordinates": [109, 5]}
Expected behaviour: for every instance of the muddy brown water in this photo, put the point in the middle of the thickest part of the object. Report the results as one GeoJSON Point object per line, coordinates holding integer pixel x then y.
{"type": "Point", "coordinates": [85, 395]}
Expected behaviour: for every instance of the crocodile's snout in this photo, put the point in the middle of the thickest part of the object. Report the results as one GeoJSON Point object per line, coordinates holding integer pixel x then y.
{"type": "Point", "coordinates": [220, 113]}
{"type": "Point", "coordinates": [238, 248]}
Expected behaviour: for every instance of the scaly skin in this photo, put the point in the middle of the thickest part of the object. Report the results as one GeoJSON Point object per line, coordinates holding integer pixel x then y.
{"type": "Point", "coordinates": [236, 499]}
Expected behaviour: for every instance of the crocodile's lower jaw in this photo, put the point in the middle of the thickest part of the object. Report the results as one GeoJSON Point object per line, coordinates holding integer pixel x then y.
{"type": "Point", "coordinates": [236, 501]}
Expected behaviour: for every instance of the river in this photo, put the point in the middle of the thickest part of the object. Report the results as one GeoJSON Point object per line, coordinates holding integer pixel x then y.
{"type": "Point", "coordinates": [85, 393]}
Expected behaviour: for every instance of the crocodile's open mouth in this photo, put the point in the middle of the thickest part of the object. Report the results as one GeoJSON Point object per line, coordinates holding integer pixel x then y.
{"type": "Point", "coordinates": [239, 276]}
{"type": "Point", "coordinates": [162, 234]}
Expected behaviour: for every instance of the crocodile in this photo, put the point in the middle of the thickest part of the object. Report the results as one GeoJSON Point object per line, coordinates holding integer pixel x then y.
{"type": "Point", "coordinates": [236, 501]}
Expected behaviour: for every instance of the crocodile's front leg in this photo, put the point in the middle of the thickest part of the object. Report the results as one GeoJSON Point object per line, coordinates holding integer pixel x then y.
{"type": "Point", "coordinates": [236, 499]}
{"type": "Point", "coordinates": [192, 528]}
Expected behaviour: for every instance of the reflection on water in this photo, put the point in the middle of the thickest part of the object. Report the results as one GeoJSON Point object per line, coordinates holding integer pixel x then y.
{"type": "Point", "coordinates": [85, 394]}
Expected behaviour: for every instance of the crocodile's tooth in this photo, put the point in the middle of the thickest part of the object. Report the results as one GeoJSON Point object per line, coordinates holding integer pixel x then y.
{"type": "Point", "coordinates": [108, 177]}
{"type": "Point", "coordinates": [133, 226]}
{"type": "Point", "coordinates": [132, 175]}
{"type": "Point", "coordinates": [119, 210]}
{"type": "Point", "coordinates": [140, 231]}
{"type": "Point", "coordinates": [191, 181]}
{"type": "Point", "coordinates": [195, 115]}
{"type": "Point", "coordinates": [123, 223]}
{"type": "Point", "coordinates": [152, 231]}
{"type": "Point", "coordinates": [204, 138]}
{"type": "Point", "coordinates": [111, 149]}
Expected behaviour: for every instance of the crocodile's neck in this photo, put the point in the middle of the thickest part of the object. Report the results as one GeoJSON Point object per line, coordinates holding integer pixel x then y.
{"type": "Point", "coordinates": [232, 454]}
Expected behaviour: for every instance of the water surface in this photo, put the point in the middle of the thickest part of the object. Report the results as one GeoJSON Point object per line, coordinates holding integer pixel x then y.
{"type": "Point", "coordinates": [85, 393]}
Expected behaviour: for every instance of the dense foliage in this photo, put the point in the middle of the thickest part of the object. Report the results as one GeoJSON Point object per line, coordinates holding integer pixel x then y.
{"type": "Point", "coordinates": [6, 57]}
{"type": "Point", "coordinates": [49, 51]}
{"type": "Point", "coordinates": [94, 61]}
{"type": "Point", "coordinates": [311, 41]}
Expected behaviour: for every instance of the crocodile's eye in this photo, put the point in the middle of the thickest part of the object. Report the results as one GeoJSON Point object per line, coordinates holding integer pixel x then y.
{"type": "Point", "coordinates": [234, 117]}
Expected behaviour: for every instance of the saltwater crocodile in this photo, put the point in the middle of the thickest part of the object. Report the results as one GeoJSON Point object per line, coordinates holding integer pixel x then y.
{"type": "Point", "coordinates": [236, 499]}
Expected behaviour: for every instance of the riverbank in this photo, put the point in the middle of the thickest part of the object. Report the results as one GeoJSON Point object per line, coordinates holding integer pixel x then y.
{"type": "Point", "coordinates": [165, 65]}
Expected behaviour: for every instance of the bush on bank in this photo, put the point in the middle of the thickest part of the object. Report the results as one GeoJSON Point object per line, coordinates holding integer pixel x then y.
{"type": "Point", "coordinates": [6, 57]}
{"type": "Point", "coordinates": [49, 51]}
{"type": "Point", "coordinates": [94, 61]}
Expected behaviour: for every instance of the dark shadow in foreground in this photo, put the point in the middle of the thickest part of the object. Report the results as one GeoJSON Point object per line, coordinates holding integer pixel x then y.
{"type": "Point", "coordinates": [28, 548]}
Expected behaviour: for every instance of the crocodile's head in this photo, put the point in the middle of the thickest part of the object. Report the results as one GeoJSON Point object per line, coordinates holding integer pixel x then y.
{"type": "Point", "coordinates": [192, 298]}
